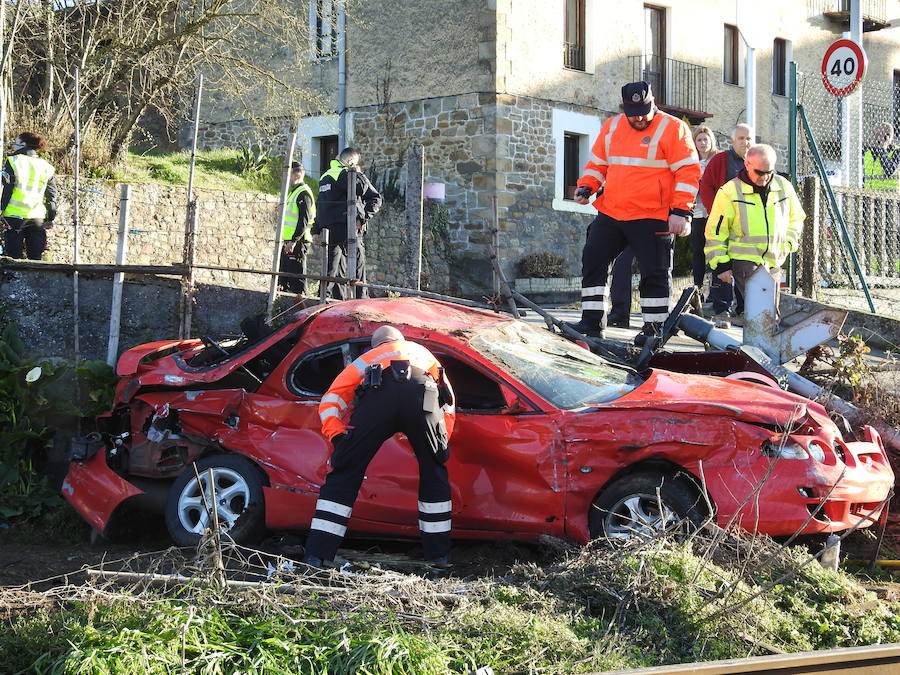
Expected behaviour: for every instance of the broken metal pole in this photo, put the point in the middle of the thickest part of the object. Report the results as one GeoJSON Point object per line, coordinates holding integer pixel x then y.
{"type": "Point", "coordinates": [427, 294]}
{"type": "Point", "coordinates": [504, 284]}
{"type": "Point", "coordinates": [323, 287]}
{"type": "Point", "coordinates": [415, 179]}
{"type": "Point", "coordinates": [352, 240]}
{"type": "Point", "coordinates": [279, 225]}
{"type": "Point", "coordinates": [115, 313]}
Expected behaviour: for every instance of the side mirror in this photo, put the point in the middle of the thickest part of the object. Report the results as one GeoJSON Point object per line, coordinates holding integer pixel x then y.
{"type": "Point", "coordinates": [511, 402]}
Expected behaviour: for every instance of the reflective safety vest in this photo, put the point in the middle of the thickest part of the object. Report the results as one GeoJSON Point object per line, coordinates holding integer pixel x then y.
{"type": "Point", "coordinates": [740, 228]}
{"type": "Point", "coordinates": [874, 177]}
{"type": "Point", "coordinates": [336, 405]}
{"type": "Point", "coordinates": [644, 173]}
{"type": "Point", "coordinates": [292, 214]}
{"type": "Point", "coordinates": [31, 175]}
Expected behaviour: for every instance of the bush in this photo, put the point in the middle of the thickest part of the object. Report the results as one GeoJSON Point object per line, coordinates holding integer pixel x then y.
{"type": "Point", "coordinates": [542, 265]}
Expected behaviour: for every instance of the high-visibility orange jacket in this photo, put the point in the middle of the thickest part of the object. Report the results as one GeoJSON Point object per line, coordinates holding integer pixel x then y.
{"type": "Point", "coordinates": [336, 405]}
{"type": "Point", "coordinates": [644, 174]}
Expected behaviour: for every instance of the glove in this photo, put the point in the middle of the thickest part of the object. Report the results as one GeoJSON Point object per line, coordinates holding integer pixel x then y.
{"type": "Point", "coordinates": [584, 191]}
{"type": "Point", "coordinates": [48, 225]}
{"type": "Point", "coordinates": [679, 225]}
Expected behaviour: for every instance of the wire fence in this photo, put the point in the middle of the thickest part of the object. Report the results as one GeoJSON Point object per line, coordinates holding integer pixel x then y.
{"type": "Point", "coordinates": [855, 140]}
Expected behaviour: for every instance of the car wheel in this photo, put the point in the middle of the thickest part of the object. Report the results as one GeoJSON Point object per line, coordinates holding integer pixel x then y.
{"type": "Point", "coordinates": [238, 487]}
{"type": "Point", "coordinates": [631, 507]}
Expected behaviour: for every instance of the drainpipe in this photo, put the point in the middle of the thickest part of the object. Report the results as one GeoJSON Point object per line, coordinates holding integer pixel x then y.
{"type": "Point", "coordinates": [750, 84]}
{"type": "Point", "coordinates": [342, 74]}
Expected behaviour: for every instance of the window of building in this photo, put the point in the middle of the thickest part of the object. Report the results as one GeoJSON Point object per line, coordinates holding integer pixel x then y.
{"type": "Point", "coordinates": [327, 150]}
{"type": "Point", "coordinates": [571, 163]}
{"type": "Point", "coordinates": [323, 28]}
{"type": "Point", "coordinates": [731, 60]}
{"type": "Point", "coordinates": [573, 134]}
{"type": "Point", "coordinates": [654, 51]}
{"type": "Point", "coordinates": [780, 60]}
{"type": "Point", "coordinates": [574, 55]}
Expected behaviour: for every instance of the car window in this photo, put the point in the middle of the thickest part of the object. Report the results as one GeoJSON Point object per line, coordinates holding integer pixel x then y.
{"type": "Point", "coordinates": [474, 391]}
{"type": "Point", "coordinates": [314, 372]}
{"type": "Point", "coordinates": [563, 373]}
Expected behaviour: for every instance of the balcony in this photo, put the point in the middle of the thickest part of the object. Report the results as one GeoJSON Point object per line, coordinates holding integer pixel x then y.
{"type": "Point", "coordinates": [679, 87]}
{"type": "Point", "coordinates": [573, 55]}
{"type": "Point", "coordinates": [874, 13]}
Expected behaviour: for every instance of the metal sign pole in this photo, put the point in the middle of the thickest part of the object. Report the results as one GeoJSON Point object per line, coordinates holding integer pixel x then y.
{"type": "Point", "coordinates": [190, 229]}
{"type": "Point", "coordinates": [115, 314]}
{"type": "Point", "coordinates": [76, 234]}
{"type": "Point", "coordinates": [351, 231]}
{"type": "Point", "coordinates": [279, 226]}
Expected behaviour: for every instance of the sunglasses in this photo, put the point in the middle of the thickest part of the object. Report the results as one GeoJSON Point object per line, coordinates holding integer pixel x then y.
{"type": "Point", "coordinates": [762, 174]}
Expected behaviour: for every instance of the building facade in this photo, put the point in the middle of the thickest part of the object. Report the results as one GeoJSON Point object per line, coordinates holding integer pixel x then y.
{"type": "Point", "coordinates": [507, 96]}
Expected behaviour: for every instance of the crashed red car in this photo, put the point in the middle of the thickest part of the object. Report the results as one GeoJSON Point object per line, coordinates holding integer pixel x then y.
{"type": "Point", "coordinates": [550, 438]}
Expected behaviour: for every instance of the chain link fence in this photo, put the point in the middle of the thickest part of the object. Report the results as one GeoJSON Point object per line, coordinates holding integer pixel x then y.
{"type": "Point", "coordinates": [854, 139]}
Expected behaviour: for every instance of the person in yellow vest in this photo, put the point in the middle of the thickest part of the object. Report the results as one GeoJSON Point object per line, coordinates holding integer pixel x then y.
{"type": "Point", "coordinates": [299, 216]}
{"type": "Point", "coordinates": [28, 201]}
{"type": "Point", "coordinates": [881, 160]}
{"type": "Point", "coordinates": [755, 221]}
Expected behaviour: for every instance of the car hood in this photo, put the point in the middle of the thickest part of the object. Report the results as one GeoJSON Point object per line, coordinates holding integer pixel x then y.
{"type": "Point", "coordinates": [707, 395]}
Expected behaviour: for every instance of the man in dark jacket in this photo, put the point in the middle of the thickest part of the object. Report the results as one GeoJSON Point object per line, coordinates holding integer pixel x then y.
{"type": "Point", "coordinates": [28, 198]}
{"type": "Point", "coordinates": [331, 214]}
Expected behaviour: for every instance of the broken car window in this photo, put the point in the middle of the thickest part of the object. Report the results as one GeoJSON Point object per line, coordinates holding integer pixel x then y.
{"type": "Point", "coordinates": [563, 373]}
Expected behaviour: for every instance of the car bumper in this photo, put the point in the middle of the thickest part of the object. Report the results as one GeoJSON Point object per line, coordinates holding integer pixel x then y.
{"type": "Point", "coordinates": [95, 490]}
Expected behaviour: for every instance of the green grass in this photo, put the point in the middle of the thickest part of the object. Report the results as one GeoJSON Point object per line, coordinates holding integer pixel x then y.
{"type": "Point", "coordinates": [215, 169]}
{"type": "Point", "coordinates": [604, 609]}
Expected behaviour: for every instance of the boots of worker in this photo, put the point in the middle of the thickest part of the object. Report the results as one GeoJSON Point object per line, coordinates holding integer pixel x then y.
{"type": "Point", "coordinates": [617, 321]}
{"type": "Point", "coordinates": [590, 329]}
{"type": "Point", "coordinates": [649, 330]}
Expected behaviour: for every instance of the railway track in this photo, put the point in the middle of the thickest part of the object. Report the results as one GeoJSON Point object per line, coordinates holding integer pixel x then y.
{"type": "Point", "coordinates": [872, 660]}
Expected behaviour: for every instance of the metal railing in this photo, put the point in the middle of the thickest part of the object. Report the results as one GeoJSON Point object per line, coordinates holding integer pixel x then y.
{"type": "Point", "coordinates": [675, 83]}
{"type": "Point", "coordinates": [573, 55]}
{"type": "Point", "coordinates": [875, 10]}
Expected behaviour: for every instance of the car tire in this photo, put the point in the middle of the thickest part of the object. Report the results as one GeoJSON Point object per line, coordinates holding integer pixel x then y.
{"type": "Point", "coordinates": [630, 506]}
{"type": "Point", "coordinates": [239, 493]}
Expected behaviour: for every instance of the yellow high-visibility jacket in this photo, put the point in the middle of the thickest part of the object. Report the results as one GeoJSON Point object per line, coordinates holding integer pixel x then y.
{"type": "Point", "coordinates": [739, 227]}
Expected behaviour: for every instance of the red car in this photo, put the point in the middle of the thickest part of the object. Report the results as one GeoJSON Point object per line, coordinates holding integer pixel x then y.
{"type": "Point", "coordinates": [550, 439]}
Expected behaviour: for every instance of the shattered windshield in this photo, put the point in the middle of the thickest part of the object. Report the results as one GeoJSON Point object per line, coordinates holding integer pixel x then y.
{"type": "Point", "coordinates": [563, 373]}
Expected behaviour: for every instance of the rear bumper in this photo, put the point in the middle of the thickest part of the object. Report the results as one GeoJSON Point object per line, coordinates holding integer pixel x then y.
{"type": "Point", "coordinates": [95, 490]}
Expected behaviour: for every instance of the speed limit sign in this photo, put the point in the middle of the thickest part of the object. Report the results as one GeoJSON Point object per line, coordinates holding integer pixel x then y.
{"type": "Point", "coordinates": [843, 67]}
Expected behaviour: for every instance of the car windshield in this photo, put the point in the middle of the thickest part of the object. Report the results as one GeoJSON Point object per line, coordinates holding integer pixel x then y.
{"type": "Point", "coordinates": [563, 373]}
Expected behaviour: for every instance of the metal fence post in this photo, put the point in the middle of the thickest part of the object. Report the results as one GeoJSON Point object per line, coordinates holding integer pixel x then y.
{"type": "Point", "coordinates": [115, 312]}
{"type": "Point", "coordinates": [811, 276]}
{"type": "Point", "coordinates": [323, 286]}
{"type": "Point", "coordinates": [352, 242]}
{"type": "Point", "coordinates": [415, 177]}
{"type": "Point", "coordinates": [190, 229]}
{"type": "Point", "coordinates": [279, 226]}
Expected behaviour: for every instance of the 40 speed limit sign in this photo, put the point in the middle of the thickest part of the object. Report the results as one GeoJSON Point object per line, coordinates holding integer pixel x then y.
{"type": "Point", "coordinates": [843, 67]}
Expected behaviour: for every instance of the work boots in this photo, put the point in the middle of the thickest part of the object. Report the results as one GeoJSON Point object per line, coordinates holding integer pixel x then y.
{"type": "Point", "coordinates": [587, 328]}
{"type": "Point", "coordinates": [651, 329]}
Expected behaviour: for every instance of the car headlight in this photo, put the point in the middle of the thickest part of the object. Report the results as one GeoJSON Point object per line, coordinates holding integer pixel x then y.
{"type": "Point", "coordinates": [816, 451]}
{"type": "Point", "coordinates": [786, 450]}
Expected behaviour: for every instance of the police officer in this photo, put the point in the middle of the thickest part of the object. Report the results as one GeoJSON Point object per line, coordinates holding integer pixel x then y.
{"type": "Point", "coordinates": [396, 387]}
{"type": "Point", "coordinates": [755, 221]}
{"type": "Point", "coordinates": [331, 210]}
{"type": "Point", "coordinates": [28, 201]}
{"type": "Point", "coordinates": [646, 163]}
{"type": "Point", "coordinates": [299, 216]}
{"type": "Point", "coordinates": [881, 160]}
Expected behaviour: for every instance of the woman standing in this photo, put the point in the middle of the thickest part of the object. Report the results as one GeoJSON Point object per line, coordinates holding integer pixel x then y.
{"type": "Point", "coordinates": [705, 141]}
{"type": "Point", "coordinates": [28, 201]}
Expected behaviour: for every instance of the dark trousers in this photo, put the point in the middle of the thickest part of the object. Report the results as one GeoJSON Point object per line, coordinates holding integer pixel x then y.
{"type": "Point", "coordinates": [722, 294]}
{"type": "Point", "coordinates": [337, 267]}
{"type": "Point", "coordinates": [606, 239]}
{"type": "Point", "coordinates": [411, 408]}
{"type": "Point", "coordinates": [698, 257]}
{"type": "Point", "coordinates": [620, 290]}
{"type": "Point", "coordinates": [294, 263]}
{"type": "Point", "coordinates": [24, 236]}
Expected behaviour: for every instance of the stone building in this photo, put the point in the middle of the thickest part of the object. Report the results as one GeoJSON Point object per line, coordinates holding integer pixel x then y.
{"type": "Point", "coordinates": [508, 95]}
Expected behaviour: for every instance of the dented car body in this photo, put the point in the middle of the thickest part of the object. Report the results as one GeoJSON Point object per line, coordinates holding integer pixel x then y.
{"type": "Point", "coordinates": [550, 439]}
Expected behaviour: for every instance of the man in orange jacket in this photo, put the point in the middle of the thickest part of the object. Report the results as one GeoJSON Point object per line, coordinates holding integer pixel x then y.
{"type": "Point", "coordinates": [397, 386]}
{"type": "Point", "coordinates": [645, 172]}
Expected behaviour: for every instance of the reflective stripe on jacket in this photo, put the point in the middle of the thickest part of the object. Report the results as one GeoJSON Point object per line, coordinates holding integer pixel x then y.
{"type": "Point", "coordinates": [336, 405]}
{"type": "Point", "coordinates": [292, 214]}
{"type": "Point", "coordinates": [29, 184]}
{"type": "Point", "coordinates": [646, 173]}
{"type": "Point", "coordinates": [740, 228]}
{"type": "Point", "coordinates": [874, 175]}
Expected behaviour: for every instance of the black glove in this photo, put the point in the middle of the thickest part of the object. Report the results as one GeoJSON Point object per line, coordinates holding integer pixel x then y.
{"type": "Point", "coordinates": [583, 191]}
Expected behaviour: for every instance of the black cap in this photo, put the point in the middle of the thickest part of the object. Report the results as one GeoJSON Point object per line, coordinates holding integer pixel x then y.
{"type": "Point", "coordinates": [637, 99]}
{"type": "Point", "coordinates": [296, 166]}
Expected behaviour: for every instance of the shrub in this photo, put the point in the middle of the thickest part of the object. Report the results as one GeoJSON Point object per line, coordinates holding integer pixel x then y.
{"type": "Point", "coordinates": [542, 265]}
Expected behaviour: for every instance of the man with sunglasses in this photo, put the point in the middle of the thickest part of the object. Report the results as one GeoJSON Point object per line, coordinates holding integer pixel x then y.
{"type": "Point", "coordinates": [755, 220]}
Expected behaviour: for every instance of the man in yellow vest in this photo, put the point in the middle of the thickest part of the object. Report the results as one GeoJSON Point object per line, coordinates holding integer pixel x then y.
{"type": "Point", "coordinates": [881, 160]}
{"type": "Point", "coordinates": [299, 216]}
{"type": "Point", "coordinates": [28, 199]}
{"type": "Point", "coordinates": [755, 221]}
